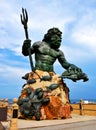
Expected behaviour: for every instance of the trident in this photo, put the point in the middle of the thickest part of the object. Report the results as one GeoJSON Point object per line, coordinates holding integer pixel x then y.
{"type": "Point", "coordinates": [24, 20]}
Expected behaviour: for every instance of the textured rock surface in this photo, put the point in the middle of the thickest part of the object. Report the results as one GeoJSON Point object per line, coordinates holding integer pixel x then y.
{"type": "Point", "coordinates": [49, 86]}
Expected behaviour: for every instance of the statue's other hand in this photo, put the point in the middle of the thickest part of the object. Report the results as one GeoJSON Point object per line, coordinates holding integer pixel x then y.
{"type": "Point", "coordinates": [26, 44]}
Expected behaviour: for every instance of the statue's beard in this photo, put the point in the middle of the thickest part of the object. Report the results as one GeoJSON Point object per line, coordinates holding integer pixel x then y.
{"type": "Point", "coordinates": [55, 44]}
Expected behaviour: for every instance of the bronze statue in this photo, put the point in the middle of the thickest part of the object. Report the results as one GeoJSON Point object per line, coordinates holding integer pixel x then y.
{"type": "Point", "coordinates": [44, 78]}
{"type": "Point", "coordinates": [47, 51]}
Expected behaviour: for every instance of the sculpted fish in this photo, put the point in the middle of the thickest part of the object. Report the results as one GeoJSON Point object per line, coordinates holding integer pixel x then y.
{"type": "Point", "coordinates": [31, 81]}
{"type": "Point", "coordinates": [46, 78]}
{"type": "Point", "coordinates": [53, 86]}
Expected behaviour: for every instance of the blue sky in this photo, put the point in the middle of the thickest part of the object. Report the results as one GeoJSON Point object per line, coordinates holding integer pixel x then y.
{"type": "Point", "coordinates": [75, 18]}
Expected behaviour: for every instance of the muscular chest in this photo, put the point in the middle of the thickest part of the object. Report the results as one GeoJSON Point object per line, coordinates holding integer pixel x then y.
{"type": "Point", "coordinates": [46, 50]}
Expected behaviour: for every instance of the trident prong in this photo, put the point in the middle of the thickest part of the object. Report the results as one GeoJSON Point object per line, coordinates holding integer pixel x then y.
{"type": "Point", "coordinates": [24, 20]}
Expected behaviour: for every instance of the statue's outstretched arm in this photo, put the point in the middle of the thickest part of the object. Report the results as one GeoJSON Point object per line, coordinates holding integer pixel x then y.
{"type": "Point", "coordinates": [72, 71]}
{"type": "Point", "coordinates": [63, 61]}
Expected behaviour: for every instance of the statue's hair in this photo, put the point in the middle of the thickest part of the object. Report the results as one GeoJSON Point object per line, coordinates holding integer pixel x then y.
{"type": "Point", "coordinates": [50, 32]}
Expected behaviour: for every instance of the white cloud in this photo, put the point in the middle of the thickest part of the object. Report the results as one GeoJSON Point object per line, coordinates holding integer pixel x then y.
{"type": "Point", "coordinates": [84, 32]}
{"type": "Point", "coordinates": [86, 37]}
{"type": "Point", "coordinates": [75, 55]}
{"type": "Point", "coordinates": [12, 72]}
{"type": "Point", "coordinates": [9, 25]}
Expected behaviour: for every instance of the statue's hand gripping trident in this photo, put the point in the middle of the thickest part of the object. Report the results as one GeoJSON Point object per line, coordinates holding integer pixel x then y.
{"type": "Point", "coordinates": [24, 20]}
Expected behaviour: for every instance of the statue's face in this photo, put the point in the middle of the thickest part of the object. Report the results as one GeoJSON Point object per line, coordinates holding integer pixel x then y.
{"type": "Point", "coordinates": [55, 41]}
{"type": "Point", "coordinates": [53, 38]}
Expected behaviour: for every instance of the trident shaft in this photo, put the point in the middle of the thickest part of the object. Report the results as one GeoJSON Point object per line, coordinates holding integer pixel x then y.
{"type": "Point", "coordinates": [24, 20]}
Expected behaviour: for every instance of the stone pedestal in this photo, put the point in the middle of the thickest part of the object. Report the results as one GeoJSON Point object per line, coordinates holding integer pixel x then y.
{"type": "Point", "coordinates": [49, 86]}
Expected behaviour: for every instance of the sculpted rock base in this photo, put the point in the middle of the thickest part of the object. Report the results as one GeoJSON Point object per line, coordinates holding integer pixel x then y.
{"type": "Point", "coordinates": [44, 96]}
